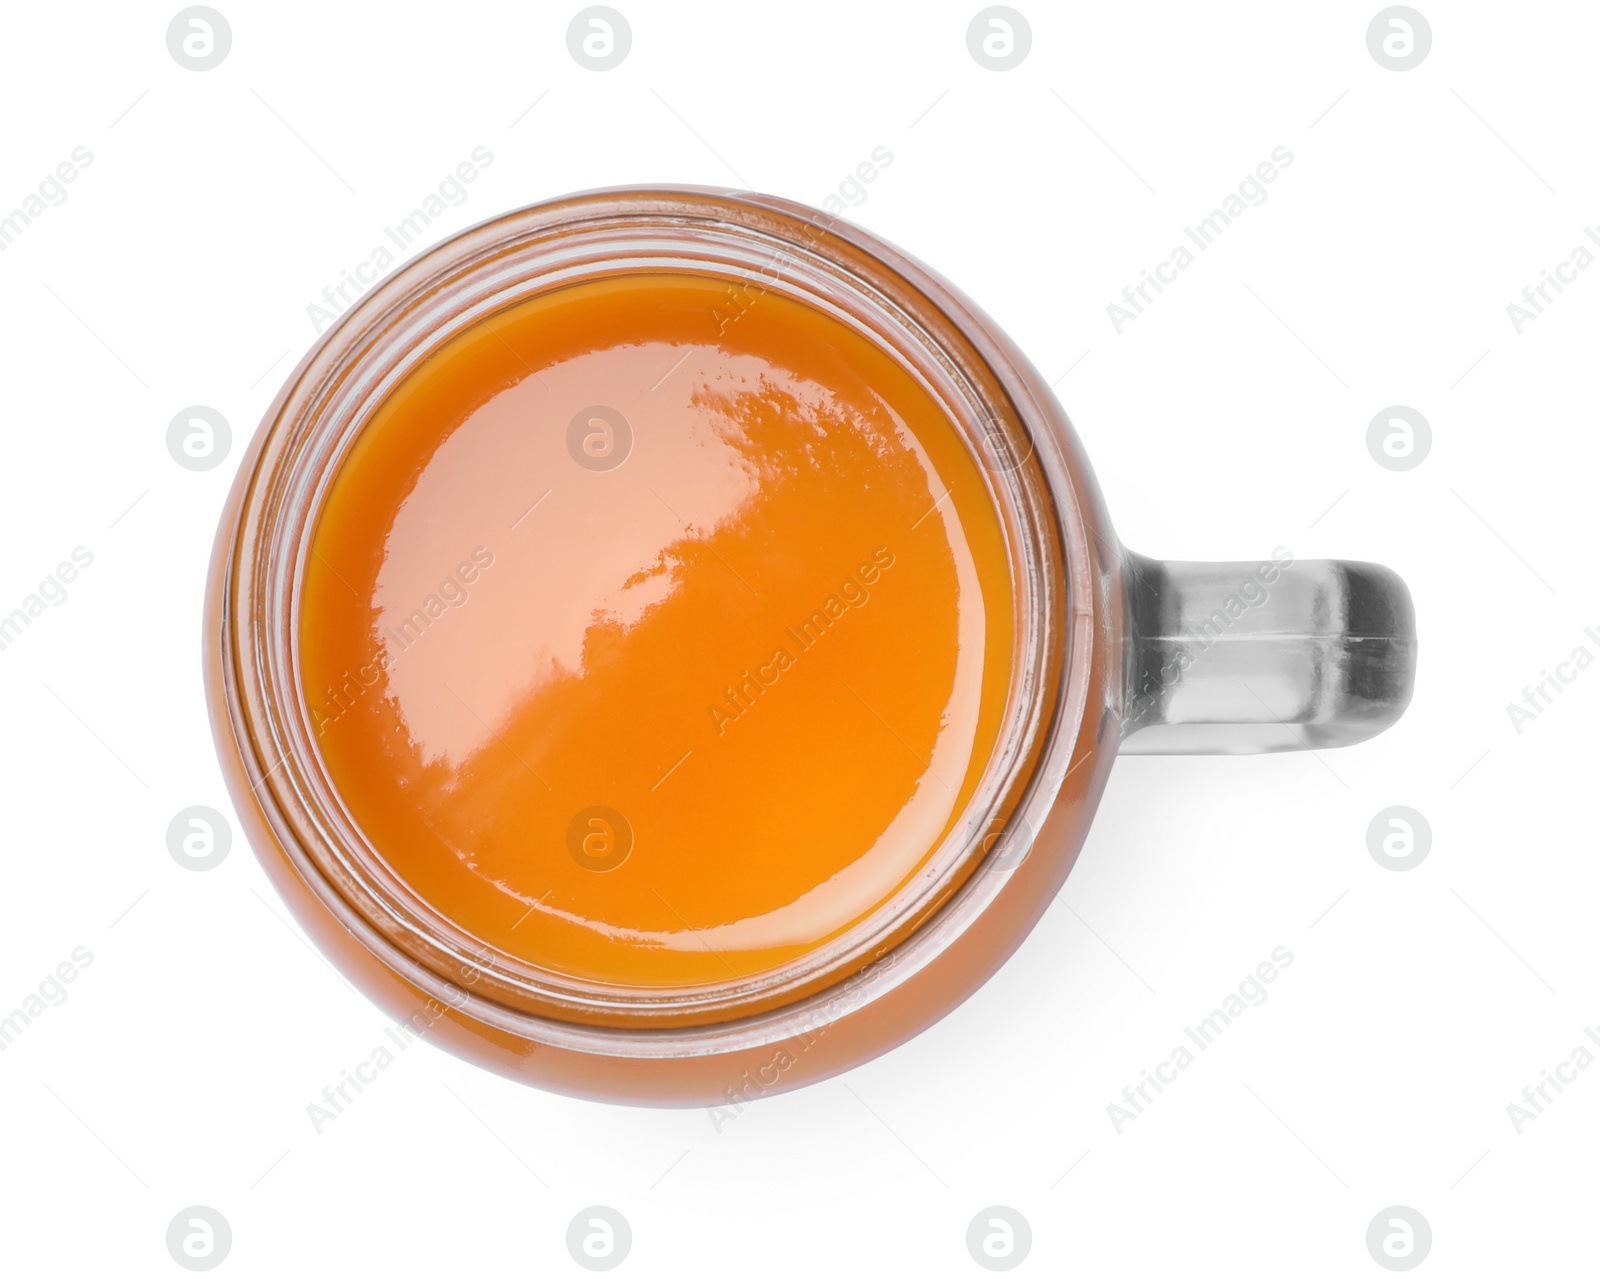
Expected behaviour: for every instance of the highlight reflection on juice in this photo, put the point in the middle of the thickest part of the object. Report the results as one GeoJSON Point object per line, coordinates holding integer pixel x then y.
{"type": "Point", "coordinates": [655, 646]}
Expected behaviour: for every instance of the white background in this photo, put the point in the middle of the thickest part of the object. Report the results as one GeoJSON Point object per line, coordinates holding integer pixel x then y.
{"type": "Point", "coordinates": [1419, 1004]}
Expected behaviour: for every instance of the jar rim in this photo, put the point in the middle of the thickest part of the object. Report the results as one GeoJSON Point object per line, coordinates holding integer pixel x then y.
{"type": "Point", "coordinates": [913, 314]}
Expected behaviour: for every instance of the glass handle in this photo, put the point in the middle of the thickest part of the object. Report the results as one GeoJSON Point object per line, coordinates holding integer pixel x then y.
{"type": "Point", "coordinates": [1284, 654]}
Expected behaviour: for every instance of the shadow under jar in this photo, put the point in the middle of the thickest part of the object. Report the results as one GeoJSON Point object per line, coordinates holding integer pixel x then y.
{"type": "Point", "coordinates": [509, 859]}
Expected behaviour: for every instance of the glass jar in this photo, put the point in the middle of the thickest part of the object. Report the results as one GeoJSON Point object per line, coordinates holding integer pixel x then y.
{"type": "Point", "coordinates": [1112, 652]}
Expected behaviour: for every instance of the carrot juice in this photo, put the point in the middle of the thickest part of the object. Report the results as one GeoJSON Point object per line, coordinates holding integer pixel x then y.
{"type": "Point", "coordinates": [657, 643]}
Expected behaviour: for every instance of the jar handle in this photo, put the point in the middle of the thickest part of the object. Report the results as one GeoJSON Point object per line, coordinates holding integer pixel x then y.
{"type": "Point", "coordinates": [1284, 654]}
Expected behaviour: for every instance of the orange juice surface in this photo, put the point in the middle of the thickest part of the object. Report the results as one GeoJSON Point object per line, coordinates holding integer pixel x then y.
{"type": "Point", "coordinates": [652, 644]}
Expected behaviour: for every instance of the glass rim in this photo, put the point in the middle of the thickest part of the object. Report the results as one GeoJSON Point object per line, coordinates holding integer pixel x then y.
{"type": "Point", "coordinates": [989, 392]}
